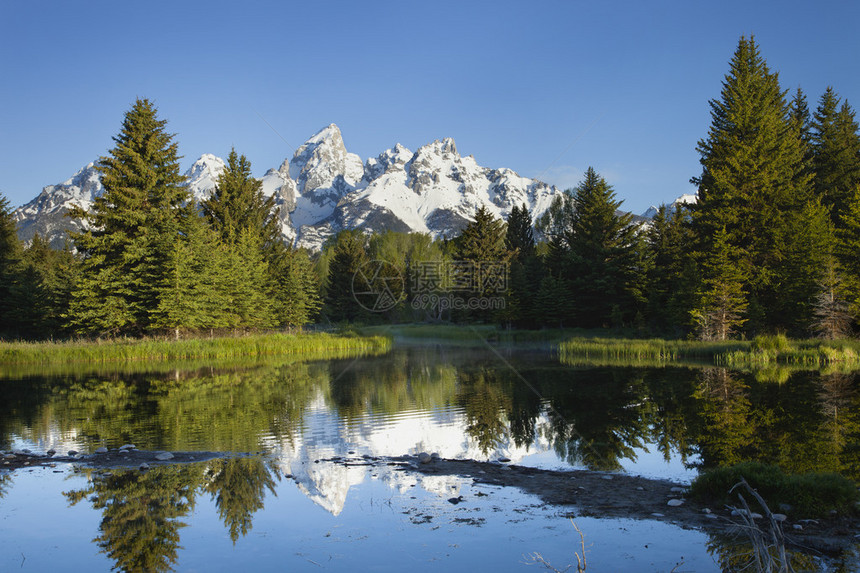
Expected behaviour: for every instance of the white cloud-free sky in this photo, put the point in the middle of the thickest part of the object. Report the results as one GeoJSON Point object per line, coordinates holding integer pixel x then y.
{"type": "Point", "coordinates": [544, 88]}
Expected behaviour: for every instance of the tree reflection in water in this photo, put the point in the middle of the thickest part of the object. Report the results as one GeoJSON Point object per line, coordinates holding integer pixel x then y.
{"type": "Point", "coordinates": [142, 510]}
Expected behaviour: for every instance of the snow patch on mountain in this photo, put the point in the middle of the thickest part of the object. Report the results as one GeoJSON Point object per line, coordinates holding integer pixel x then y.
{"type": "Point", "coordinates": [685, 199]}
{"type": "Point", "coordinates": [323, 188]}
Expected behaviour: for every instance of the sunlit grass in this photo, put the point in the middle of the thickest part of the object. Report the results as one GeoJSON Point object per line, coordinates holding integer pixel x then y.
{"type": "Point", "coordinates": [764, 350]}
{"type": "Point", "coordinates": [306, 345]}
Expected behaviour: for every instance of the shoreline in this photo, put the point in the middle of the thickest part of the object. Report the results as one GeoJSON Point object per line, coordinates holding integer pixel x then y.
{"type": "Point", "coordinates": [586, 493]}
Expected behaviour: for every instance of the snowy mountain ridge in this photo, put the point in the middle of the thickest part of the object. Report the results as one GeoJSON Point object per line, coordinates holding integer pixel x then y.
{"type": "Point", "coordinates": [323, 189]}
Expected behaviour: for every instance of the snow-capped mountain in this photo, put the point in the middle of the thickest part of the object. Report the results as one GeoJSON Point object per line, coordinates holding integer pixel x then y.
{"type": "Point", "coordinates": [685, 199]}
{"type": "Point", "coordinates": [323, 189]}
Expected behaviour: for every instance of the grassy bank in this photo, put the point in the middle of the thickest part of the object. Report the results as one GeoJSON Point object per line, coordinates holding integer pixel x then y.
{"type": "Point", "coordinates": [308, 346]}
{"type": "Point", "coordinates": [762, 351]}
{"type": "Point", "coordinates": [808, 495]}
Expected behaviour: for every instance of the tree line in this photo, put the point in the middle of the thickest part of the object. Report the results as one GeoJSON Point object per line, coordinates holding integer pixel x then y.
{"type": "Point", "coordinates": [772, 244]}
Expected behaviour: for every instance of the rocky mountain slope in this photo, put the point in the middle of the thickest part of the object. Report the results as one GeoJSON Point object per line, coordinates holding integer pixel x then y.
{"type": "Point", "coordinates": [323, 189]}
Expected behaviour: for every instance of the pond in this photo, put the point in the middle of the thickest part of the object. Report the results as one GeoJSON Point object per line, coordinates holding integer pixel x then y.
{"type": "Point", "coordinates": [324, 489]}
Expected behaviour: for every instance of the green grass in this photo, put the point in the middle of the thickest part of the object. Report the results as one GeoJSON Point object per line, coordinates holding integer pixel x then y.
{"type": "Point", "coordinates": [763, 351]}
{"type": "Point", "coordinates": [809, 495]}
{"type": "Point", "coordinates": [308, 346]}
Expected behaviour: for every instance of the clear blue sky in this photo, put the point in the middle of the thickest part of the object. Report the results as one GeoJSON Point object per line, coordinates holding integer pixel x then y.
{"type": "Point", "coordinates": [544, 88]}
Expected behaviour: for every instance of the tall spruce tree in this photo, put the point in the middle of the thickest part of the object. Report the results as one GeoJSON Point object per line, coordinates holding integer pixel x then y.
{"type": "Point", "coordinates": [722, 307]}
{"type": "Point", "coordinates": [132, 228]}
{"type": "Point", "coordinates": [348, 252]}
{"type": "Point", "coordinates": [40, 296]}
{"type": "Point", "coordinates": [673, 276]}
{"type": "Point", "coordinates": [835, 154]}
{"type": "Point", "coordinates": [480, 269]}
{"type": "Point", "coordinates": [10, 261]}
{"type": "Point", "coordinates": [604, 264]}
{"type": "Point", "coordinates": [752, 181]}
{"type": "Point", "coordinates": [238, 202]}
{"type": "Point", "coordinates": [525, 268]}
{"type": "Point", "coordinates": [297, 296]}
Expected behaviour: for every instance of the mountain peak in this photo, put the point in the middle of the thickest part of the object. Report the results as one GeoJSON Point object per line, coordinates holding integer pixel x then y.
{"type": "Point", "coordinates": [331, 132]}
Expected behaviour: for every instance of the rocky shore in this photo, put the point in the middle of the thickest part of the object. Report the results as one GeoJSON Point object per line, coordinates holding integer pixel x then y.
{"type": "Point", "coordinates": [584, 492]}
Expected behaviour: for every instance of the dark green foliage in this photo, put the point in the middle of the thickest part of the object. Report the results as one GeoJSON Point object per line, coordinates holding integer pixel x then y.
{"type": "Point", "coordinates": [481, 268]}
{"type": "Point", "coordinates": [720, 311]}
{"type": "Point", "coordinates": [603, 266]}
{"type": "Point", "coordinates": [139, 530]}
{"type": "Point", "coordinates": [348, 252]}
{"type": "Point", "coordinates": [810, 495]}
{"type": "Point", "coordinates": [482, 240]}
{"type": "Point", "coordinates": [237, 203]}
{"type": "Point", "coordinates": [132, 228]}
{"type": "Point", "coordinates": [526, 270]}
{"type": "Point", "coordinates": [41, 293]}
{"type": "Point", "coordinates": [10, 260]}
{"type": "Point", "coordinates": [835, 154]}
{"type": "Point", "coordinates": [238, 486]}
{"type": "Point", "coordinates": [755, 186]}
{"type": "Point", "coordinates": [673, 276]}
{"type": "Point", "coordinates": [297, 298]}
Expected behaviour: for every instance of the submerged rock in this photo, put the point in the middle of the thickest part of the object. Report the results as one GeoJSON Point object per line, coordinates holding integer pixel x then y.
{"type": "Point", "coordinates": [163, 456]}
{"type": "Point", "coordinates": [101, 450]}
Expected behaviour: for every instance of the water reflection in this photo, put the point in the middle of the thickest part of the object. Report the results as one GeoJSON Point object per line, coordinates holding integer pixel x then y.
{"type": "Point", "coordinates": [142, 511]}
{"type": "Point", "coordinates": [461, 404]}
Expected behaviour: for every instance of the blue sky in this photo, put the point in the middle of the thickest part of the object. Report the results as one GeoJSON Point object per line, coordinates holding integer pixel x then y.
{"type": "Point", "coordinates": [544, 88]}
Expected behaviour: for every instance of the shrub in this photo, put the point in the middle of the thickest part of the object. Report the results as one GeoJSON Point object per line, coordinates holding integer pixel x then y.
{"type": "Point", "coordinates": [810, 495]}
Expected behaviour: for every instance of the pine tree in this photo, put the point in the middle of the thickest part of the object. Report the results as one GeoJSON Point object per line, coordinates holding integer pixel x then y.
{"type": "Point", "coordinates": [847, 252]}
{"type": "Point", "coordinates": [721, 309]}
{"type": "Point", "coordinates": [40, 296]}
{"type": "Point", "coordinates": [194, 293]}
{"type": "Point", "coordinates": [602, 254]}
{"type": "Point", "coordinates": [10, 261]}
{"type": "Point", "coordinates": [132, 227]}
{"type": "Point", "coordinates": [836, 154]}
{"type": "Point", "coordinates": [480, 267]}
{"type": "Point", "coordinates": [673, 278]}
{"type": "Point", "coordinates": [525, 268]}
{"type": "Point", "coordinates": [348, 254]}
{"type": "Point", "coordinates": [248, 280]}
{"type": "Point", "coordinates": [238, 202]}
{"type": "Point", "coordinates": [831, 318]}
{"type": "Point", "coordinates": [752, 179]}
{"type": "Point", "coordinates": [298, 300]}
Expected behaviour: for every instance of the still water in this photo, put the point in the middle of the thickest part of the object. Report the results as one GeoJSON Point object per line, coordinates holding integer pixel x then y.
{"type": "Point", "coordinates": [288, 508]}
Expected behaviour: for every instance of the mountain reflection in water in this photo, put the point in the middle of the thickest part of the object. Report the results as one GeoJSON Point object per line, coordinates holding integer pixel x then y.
{"type": "Point", "coordinates": [458, 403]}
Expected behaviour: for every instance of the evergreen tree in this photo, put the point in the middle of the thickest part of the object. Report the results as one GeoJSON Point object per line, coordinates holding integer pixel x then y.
{"type": "Point", "coordinates": [836, 154]}
{"type": "Point", "coordinates": [800, 121]}
{"type": "Point", "coordinates": [847, 252]}
{"type": "Point", "coordinates": [752, 179]}
{"type": "Point", "coordinates": [603, 259]}
{"type": "Point", "coordinates": [10, 260]}
{"type": "Point", "coordinates": [297, 300]}
{"type": "Point", "coordinates": [831, 318]}
{"type": "Point", "coordinates": [348, 254]}
{"type": "Point", "coordinates": [41, 294]}
{"type": "Point", "coordinates": [238, 202]}
{"type": "Point", "coordinates": [721, 309]}
{"type": "Point", "coordinates": [248, 283]}
{"type": "Point", "coordinates": [480, 269]}
{"type": "Point", "coordinates": [673, 277]}
{"type": "Point", "coordinates": [132, 227]}
{"type": "Point", "coordinates": [525, 268]}
{"type": "Point", "coordinates": [194, 293]}
{"type": "Point", "coordinates": [808, 245]}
